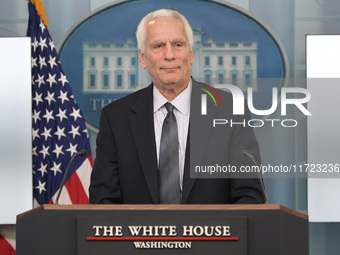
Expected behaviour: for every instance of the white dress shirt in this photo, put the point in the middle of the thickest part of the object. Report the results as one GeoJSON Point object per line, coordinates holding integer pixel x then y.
{"type": "Point", "coordinates": [182, 112]}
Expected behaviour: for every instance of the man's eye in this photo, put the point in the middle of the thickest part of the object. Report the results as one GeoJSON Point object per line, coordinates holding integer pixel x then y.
{"type": "Point", "coordinates": [157, 46]}
{"type": "Point", "coordinates": [179, 44]}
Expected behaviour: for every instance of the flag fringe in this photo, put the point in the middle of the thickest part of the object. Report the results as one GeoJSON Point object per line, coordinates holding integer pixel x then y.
{"type": "Point", "coordinates": [40, 10]}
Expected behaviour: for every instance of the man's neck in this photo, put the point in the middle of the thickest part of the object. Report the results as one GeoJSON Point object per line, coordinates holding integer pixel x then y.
{"type": "Point", "coordinates": [171, 94]}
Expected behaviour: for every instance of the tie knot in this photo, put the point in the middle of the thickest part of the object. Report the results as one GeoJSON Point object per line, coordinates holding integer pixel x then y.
{"type": "Point", "coordinates": [169, 107]}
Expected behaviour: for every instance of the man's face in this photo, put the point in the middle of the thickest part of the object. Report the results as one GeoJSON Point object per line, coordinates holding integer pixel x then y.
{"type": "Point", "coordinates": [167, 56]}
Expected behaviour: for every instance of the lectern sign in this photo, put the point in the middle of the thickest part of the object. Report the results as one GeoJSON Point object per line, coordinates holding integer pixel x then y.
{"type": "Point", "coordinates": [162, 235]}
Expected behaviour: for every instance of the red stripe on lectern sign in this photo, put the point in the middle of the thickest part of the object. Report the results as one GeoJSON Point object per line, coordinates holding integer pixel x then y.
{"type": "Point", "coordinates": [162, 239]}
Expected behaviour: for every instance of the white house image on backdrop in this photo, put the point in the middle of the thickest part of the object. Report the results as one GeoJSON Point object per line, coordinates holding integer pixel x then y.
{"type": "Point", "coordinates": [114, 67]}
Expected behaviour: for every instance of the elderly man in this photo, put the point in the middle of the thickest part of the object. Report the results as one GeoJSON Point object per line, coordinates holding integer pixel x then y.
{"type": "Point", "coordinates": [142, 150]}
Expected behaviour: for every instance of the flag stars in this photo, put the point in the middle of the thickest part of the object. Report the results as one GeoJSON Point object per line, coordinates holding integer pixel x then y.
{"type": "Point", "coordinates": [35, 133]}
{"type": "Point", "coordinates": [51, 79]}
{"type": "Point", "coordinates": [42, 43]}
{"type": "Point", "coordinates": [41, 187]}
{"type": "Point", "coordinates": [42, 169]}
{"type": "Point", "coordinates": [48, 115]}
{"type": "Point", "coordinates": [35, 44]}
{"type": "Point", "coordinates": [42, 26]}
{"type": "Point", "coordinates": [52, 61]}
{"type": "Point", "coordinates": [75, 114]}
{"type": "Point", "coordinates": [63, 96]}
{"type": "Point", "coordinates": [74, 131]}
{"type": "Point", "coordinates": [50, 97]}
{"type": "Point", "coordinates": [60, 133]}
{"type": "Point", "coordinates": [42, 62]}
{"type": "Point", "coordinates": [56, 168]}
{"type": "Point", "coordinates": [51, 43]}
{"type": "Point", "coordinates": [40, 80]}
{"type": "Point", "coordinates": [34, 62]}
{"type": "Point", "coordinates": [87, 133]}
{"type": "Point", "coordinates": [47, 133]}
{"type": "Point", "coordinates": [58, 150]}
{"type": "Point", "coordinates": [34, 151]}
{"type": "Point", "coordinates": [38, 98]}
{"type": "Point", "coordinates": [61, 115]}
{"type": "Point", "coordinates": [72, 149]}
{"type": "Point", "coordinates": [36, 116]}
{"type": "Point", "coordinates": [63, 79]}
{"type": "Point", "coordinates": [44, 151]}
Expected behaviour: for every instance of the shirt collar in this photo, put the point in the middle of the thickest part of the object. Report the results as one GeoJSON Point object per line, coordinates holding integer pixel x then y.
{"type": "Point", "coordinates": [181, 102]}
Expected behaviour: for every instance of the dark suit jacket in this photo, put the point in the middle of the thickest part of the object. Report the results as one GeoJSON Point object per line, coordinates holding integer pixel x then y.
{"type": "Point", "coordinates": [125, 168]}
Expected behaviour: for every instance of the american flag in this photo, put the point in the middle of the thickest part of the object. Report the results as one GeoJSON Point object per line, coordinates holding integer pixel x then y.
{"type": "Point", "coordinates": [7, 239]}
{"type": "Point", "coordinates": [58, 128]}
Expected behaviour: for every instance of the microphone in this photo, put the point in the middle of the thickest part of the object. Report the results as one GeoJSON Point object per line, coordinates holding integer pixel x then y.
{"type": "Point", "coordinates": [249, 155]}
{"type": "Point", "coordinates": [81, 153]}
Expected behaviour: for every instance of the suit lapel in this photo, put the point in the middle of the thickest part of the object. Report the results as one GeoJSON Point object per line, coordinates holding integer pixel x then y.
{"type": "Point", "coordinates": [199, 130]}
{"type": "Point", "coordinates": [142, 126]}
{"type": "Point", "coordinates": [187, 181]}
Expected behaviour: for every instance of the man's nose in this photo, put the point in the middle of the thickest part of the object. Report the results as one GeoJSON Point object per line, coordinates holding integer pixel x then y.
{"type": "Point", "coordinates": [169, 52]}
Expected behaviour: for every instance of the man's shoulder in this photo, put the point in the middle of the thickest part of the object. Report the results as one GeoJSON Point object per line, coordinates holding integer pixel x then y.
{"type": "Point", "coordinates": [128, 101]}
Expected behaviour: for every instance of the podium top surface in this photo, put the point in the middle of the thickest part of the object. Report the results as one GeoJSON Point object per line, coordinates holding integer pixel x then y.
{"type": "Point", "coordinates": [233, 207]}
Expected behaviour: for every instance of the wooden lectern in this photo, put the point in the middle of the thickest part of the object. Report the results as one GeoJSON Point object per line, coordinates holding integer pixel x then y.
{"type": "Point", "coordinates": [266, 229]}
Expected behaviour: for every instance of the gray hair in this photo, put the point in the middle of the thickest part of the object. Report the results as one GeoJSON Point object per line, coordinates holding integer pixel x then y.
{"type": "Point", "coordinates": [141, 34]}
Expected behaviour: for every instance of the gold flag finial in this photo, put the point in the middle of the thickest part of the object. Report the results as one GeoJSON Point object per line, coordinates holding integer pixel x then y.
{"type": "Point", "coordinates": [40, 10]}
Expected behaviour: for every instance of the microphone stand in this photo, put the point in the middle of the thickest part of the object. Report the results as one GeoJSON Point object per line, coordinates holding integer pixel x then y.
{"type": "Point", "coordinates": [249, 155]}
{"type": "Point", "coordinates": [81, 153]}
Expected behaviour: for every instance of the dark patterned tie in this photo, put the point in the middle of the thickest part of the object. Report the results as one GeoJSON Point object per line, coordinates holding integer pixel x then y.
{"type": "Point", "coordinates": [169, 186]}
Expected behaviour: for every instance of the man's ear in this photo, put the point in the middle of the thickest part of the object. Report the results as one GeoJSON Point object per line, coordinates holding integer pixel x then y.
{"type": "Point", "coordinates": [142, 61]}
